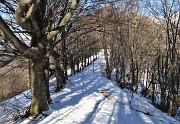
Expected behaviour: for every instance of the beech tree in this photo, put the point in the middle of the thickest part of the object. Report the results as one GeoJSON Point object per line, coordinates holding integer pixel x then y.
{"type": "Point", "coordinates": [42, 21]}
{"type": "Point", "coordinates": [167, 61]}
{"type": "Point", "coordinates": [141, 45]}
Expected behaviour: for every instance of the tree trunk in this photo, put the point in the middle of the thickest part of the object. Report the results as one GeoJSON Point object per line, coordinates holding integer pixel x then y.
{"type": "Point", "coordinates": [162, 103]}
{"type": "Point", "coordinates": [108, 71]}
{"type": "Point", "coordinates": [77, 63]}
{"type": "Point", "coordinates": [85, 62]}
{"type": "Point", "coordinates": [60, 78]}
{"type": "Point", "coordinates": [88, 62]}
{"type": "Point", "coordinates": [46, 79]}
{"type": "Point", "coordinates": [1, 92]}
{"type": "Point", "coordinates": [153, 93]}
{"type": "Point", "coordinates": [137, 77]}
{"type": "Point", "coordinates": [132, 74]}
{"type": "Point", "coordinates": [82, 63]}
{"type": "Point", "coordinates": [123, 72]}
{"type": "Point", "coordinates": [65, 63]}
{"type": "Point", "coordinates": [59, 74]}
{"type": "Point", "coordinates": [29, 66]}
{"type": "Point", "coordinates": [39, 101]}
{"type": "Point", "coordinates": [65, 67]}
{"type": "Point", "coordinates": [72, 66]}
{"type": "Point", "coordinates": [93, 63]}
{"type": "Point", "coordinates": [170, 109]}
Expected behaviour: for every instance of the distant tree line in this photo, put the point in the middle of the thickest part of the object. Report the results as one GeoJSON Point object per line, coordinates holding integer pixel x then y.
{"type": "Point", "coordinates": [144, 48]}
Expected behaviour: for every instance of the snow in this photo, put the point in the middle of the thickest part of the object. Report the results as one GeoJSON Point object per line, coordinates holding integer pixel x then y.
{"type": "Point", "coordinates": [178, 115]}
{"type": "Point", "coordinates": [89, 98]}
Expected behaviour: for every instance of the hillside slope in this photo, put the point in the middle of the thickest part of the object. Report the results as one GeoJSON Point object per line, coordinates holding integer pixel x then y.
{"type": "Point", "coordinates": [89, 98]}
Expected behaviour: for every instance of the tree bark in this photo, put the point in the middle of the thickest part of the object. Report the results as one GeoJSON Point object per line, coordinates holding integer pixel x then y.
{"type": "Point", "coordinates": [72, 66]}
{"type": "Point", "coordinates": [1, 92]}
{"type": "Point", "coordinates": [132, 74]}
{"type": "Point", "coordinates": [46, 78]}
{"type": "Point", "coordinates": [60, 78]}
{"type": "Point", "coordinates": [59, 73]}
{"type": "Point", "coordinates": [39, 101]}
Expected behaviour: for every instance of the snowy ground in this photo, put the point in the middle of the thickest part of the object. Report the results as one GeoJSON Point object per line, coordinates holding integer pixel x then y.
{"type": "Point", "coordinates": [89, 98]}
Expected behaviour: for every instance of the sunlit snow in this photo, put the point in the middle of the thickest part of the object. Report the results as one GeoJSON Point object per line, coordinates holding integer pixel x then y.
{"type": "Point", "coordinates": [89, 98]}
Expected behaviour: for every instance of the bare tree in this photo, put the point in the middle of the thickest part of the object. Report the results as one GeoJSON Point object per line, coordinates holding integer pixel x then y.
{"type": "Point", "coordinates": [42, 21]}
{"type": "Point", "coordinates": [168, 13]}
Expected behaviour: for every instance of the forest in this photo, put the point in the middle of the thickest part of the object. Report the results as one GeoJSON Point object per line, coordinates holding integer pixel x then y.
{"type": "Point", "coordinates": [45, 39]}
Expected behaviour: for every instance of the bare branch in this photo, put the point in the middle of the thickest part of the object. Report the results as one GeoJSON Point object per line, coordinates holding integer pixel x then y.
{"type": "Point", "coordinates": [20, 18]}
{"type": "Point", "coordinates": [65, 20]}
{"type": "Point", "coordinates": [12, 37]}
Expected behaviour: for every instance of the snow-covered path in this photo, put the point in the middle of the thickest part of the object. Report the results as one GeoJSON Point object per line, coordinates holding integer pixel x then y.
{"type": "Point", "coordinates": [90, 98]}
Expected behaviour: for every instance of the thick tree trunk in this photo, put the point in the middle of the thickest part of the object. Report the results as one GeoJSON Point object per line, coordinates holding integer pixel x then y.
{"type": "Point", "coordinates": [59, 74]}
{"type": "Point", "coordinates": [60, 78]}
{"type": "Point", "coordinates": [39, 101]}
{"type": "Point", "coordinates": [162, 104]}
{"type": "Point", "coordinates": [46, 79]}
{"type": "Point", "coordinates": [72, 66]}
